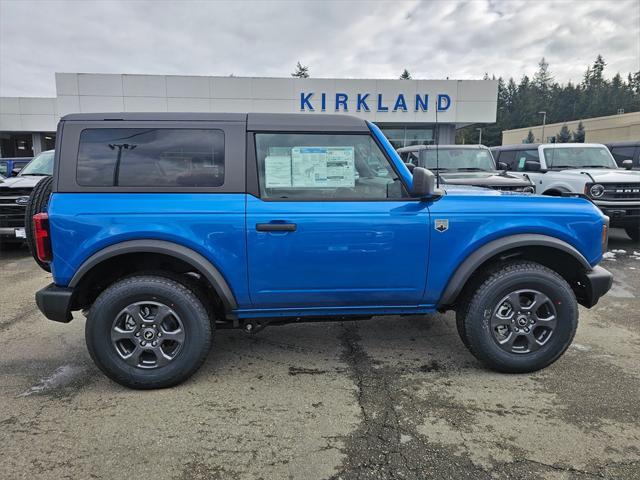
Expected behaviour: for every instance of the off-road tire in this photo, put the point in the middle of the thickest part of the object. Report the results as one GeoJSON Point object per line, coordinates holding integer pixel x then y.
{"type": "Point", "coordinates": [633, 232]}
{"type": "Point", "coordinates": [475, 311]}
{"type": "Point", "coordinates": [38, 202]}
{"type": "Point", "coordinates": [197, 327]}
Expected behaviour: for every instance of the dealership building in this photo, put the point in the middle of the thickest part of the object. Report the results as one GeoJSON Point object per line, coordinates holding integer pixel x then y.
{"type": "Point", "coordinates": [410, 112]}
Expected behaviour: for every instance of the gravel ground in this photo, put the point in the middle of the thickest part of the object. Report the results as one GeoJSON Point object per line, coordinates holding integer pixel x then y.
{"type": "Point", "coordinates": [395, 397]}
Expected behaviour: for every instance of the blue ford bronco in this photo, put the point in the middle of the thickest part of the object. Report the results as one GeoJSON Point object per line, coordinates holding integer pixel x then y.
{"type": "Point", "coordinates": [163, 227]}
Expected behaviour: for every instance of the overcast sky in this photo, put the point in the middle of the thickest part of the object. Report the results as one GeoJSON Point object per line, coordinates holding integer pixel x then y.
{"type": "Point", "coordinates": [433, 39]}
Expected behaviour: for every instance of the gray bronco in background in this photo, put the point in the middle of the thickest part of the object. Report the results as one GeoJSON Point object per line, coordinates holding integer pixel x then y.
{"type": "Point", "coordinates": [465, 165]}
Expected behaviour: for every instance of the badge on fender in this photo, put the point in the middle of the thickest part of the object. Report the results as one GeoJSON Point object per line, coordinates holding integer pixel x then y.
{"type": "Point", "coordinates": [442, 225]}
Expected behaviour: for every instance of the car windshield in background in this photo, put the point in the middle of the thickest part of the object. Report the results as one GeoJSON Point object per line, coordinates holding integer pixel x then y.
{"type": "Point", "coordinates": [583, 157]}
{"type": "Point", "coordinates": [41, 165]}
{"type": "Point", "coordinates": [464, 159]}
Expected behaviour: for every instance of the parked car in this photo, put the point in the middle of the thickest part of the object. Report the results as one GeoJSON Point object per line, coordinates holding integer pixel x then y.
{"type": "Point", "coordinates": [10, 167]}
{"type": "Point", "coordinates": [623, 151]}
{"type": "Point", "coordinates": [465, 165]}
{"type": "Point", "coordinates": [585, 168]}
{"type": "Point", "coordinates": [166, 226]}
{"type": "Point", "coordinates": [14, 194]}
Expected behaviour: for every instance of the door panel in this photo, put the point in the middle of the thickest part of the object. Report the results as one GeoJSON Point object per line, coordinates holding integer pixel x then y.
{"type": "Point", "coordinates": [303, 254]}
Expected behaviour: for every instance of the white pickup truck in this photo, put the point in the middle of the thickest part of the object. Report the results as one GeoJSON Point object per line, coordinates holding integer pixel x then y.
{"type": "Point", "coordinates": [588, 168]}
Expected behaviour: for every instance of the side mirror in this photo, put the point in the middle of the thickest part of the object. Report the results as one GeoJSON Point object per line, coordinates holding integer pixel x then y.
{"type": "Point", "coordinates": [424, 184]}
{"type": "Point", "coordinates": [410, 166]}
{"type": "Point", "coordinates": [532, 166]}
{"type": "Point", "coordinates": [15, 171]}
{"type": "Point", "coordinates": [503, 166]}
{"type": "Point", "coordinates": [627, 164]}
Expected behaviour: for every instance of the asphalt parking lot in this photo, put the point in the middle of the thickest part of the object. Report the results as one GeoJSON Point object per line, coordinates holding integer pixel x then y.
{"type": "Point", "coordinates": [387, 398]}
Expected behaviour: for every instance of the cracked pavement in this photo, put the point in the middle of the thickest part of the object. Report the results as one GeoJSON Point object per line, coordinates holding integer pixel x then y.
{"type": "Point", "coordinates": [387, 398]}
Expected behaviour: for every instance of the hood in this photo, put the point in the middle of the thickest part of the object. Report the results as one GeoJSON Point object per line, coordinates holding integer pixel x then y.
{"type": "Point", "coordinates": [20, 182]}
{"type": "Point", "coordinates": [489, 179]}
{"type": "Point", "coordinates": [453, 189]}
{"type": "Point", "coordinates": [607, 175]}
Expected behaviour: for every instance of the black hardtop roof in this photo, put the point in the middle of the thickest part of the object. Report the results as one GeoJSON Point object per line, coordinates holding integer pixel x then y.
{"type": "Point", "coordinates": [628, 143]}
{"type": "Point", "coordinates": [519, 146]}
{"type": "Point", "coordinates": [254, 121]}
{"type": "Point", "coordinates": [417, 148]}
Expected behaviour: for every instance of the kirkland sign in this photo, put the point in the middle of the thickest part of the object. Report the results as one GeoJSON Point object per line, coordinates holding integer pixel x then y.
{"type": "Point", "coordinates": [365, 102]}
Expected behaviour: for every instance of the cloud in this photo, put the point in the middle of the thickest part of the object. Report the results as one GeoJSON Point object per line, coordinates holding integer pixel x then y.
{"type": "Point", "coordinates": [435, 39]}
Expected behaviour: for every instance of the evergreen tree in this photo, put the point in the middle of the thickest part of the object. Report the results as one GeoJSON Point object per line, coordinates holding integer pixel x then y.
{"type": "Point", "coordinates": [405, 75]}
{"type": "Point", "coordinates": [530, 137]}
{"type": "Point", "coordinates": [302, 71]}
{"type": "Point", "coordinates": [542, 78]}
{"type": "Point", "coordinates": [520, 102]}
{"type": "Point", "coordinates": [597, 69]}
{"type": "Point", "coordinates": [564, 136]}
{"type": "Point", "coordinates": [578, 135]}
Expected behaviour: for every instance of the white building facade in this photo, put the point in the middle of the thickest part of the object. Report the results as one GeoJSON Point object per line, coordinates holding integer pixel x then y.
{"type": "Point", "coordinates": [406, 110]}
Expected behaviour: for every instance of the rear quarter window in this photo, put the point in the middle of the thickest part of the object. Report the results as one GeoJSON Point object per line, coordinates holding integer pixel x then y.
{"type": "Point", "coordinates": [151, 157]}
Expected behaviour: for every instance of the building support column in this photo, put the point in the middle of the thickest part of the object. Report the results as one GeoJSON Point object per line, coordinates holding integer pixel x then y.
{"type": "Point", "coordinates": [446, 134]}
{"type": "Point", "coordinates": [36, 142]}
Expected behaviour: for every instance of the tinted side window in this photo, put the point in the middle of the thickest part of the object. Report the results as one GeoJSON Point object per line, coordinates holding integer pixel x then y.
{"type": "Point", "coordinates": [151, 157]}
{"type": "Point", "coordinates": [507, 157]}
{"type": "Point", "coordinates": [323, 167]}
{"type": "Point", "coordinates": [622, 153]}
{"type": "Point", "coordinates": [523, 156]}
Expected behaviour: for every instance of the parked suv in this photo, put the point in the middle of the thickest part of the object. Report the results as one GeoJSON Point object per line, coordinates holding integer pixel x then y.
{"type": "Point", "coordinates": [586, 168]}
{"type": "Point", "coordinates": [164, 227]}
{"type": "Point", "coordinates": [623, 151]}
{"type": "Point", "coordinates": [465, 165]}
{"type": "Point", "coordinates": [14, 194]}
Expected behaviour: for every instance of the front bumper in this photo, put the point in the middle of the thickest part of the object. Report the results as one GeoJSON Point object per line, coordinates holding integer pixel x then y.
{"type": "Point", "coordinates": [55, 302]}
{"type": "Point", "coordinates": [595, 284]}
{"type": "Point", "coordinates": [621, 214]}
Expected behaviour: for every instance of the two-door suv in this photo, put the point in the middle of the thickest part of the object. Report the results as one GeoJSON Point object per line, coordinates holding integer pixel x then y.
{"type": "Point", "coordinates": [163, 227]}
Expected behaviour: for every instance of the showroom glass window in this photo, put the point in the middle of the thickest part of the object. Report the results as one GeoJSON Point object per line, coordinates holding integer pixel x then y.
{"type": "Point", "coordinates": [151, 157]}
{"type": "Point", "coordinates": [405, 136]}
{"type": "Point", "coordinates": [323, 167]}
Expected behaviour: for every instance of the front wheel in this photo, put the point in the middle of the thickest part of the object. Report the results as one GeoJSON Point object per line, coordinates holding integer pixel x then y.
{"type": "Point", "coordinates": [521, 318]}
{"type": "Point", "coordinates": [148, 332]}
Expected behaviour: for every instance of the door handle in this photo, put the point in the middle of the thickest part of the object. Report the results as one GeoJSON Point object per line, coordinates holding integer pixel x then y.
{"type": "Point", "coordinates": [276, 227]}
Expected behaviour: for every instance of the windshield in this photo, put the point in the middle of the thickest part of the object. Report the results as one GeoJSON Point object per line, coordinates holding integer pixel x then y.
{"type": "Point", "coordinates": [581, 157]}
{"type": "Point", "coordinates": [41, 165]}
{"type": "Point", "coordinates": [464, 159]}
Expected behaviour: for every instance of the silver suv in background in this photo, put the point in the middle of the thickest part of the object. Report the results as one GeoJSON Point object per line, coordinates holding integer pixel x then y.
{"type": "Point", "coordinates": [14, 195]}
{"type": "Point", "coordinates": [465, 165]}
{"type": "Point", "coordinates": [587, 168]}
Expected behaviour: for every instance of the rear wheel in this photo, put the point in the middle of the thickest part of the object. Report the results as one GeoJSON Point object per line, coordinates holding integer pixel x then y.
{"type": "Point", "coordinates": [148, 332]}
{"type": "Point", "coordinates": [38, 202]}
{"type": "Point", "coordinates": [633, 232]}
{"type": "Point", "coordinates": [521, 318]}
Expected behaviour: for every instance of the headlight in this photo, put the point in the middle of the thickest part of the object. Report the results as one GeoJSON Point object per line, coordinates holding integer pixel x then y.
{"type": "Point", "coordinates": [529, 190]}
{"type": "Point", "coordinates": [596, 191]}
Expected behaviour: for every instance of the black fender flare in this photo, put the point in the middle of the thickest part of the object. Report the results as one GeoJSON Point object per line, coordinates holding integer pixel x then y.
{"type": "Point", "coordinates": [193, 258]}
{"type": "Point", "coordinates": [470, 264]}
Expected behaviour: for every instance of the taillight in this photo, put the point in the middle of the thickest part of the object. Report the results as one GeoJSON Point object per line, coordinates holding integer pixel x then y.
{"type": "Point", "coordinates": [41, 236]}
